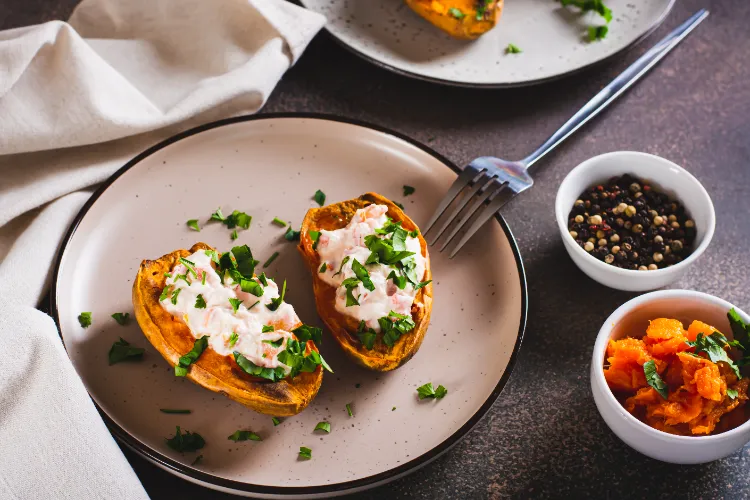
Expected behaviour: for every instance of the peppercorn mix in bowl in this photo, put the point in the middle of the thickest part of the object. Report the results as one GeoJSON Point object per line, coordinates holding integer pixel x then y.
{"type": "Point", "coordinates": [669, 397]}
{"type": "Point", "coordinates": [633, 221]}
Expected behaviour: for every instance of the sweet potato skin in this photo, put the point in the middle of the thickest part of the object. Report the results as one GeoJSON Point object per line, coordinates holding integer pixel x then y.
{"type": "Point", "coordinates": [440, 14]}
{"type": "Point", "coordinates": [343, 327]}
{"type": "Point", "coordinates": [218, 373]}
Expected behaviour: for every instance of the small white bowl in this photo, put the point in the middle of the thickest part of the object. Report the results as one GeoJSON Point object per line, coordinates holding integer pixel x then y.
{"type": "Point", "coordinates": [632, 319]}
{"type": "Point", "coordinates": [664, 176]}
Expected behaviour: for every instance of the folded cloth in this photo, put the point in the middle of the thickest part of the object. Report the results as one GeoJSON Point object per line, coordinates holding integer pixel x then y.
{"type": "Point", "coordinates": [77, 100]}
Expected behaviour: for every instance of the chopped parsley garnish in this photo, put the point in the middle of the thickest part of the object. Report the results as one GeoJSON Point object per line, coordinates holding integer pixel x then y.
{"type": "Point", "coordinates": [203, 278]}
{"type": "Point", "coordinates": [279, 222]}
{"type": "Point", "coordinates": [275, 421]}
{"type": "Point", "coordinates": [512, 49]}
{"type": "Point", "coordinates": [267, 328]}
{"type": "Point", "coordinates": [234, 235]}
{"type": "Point", "coordinates": [341, 267]}
{"type": "Point", "coordinates": [193, 224]}
{"type": "Point", "coordinates": [393, 329]}
{"type": "Point", "coordinates": [218, 215]}
{"type": "Point", "coordinates": [163, 296]}
{"type": "Point", "coordinates": [200, 302]}
{"type": "Point", "coordinates": [427, 391]}
{"type": "Point", "coordinates": [713, 347]}
{"type": "Point", "coordinates": [275, 303]}
{"type": "Point", "coordinates": [654, 380]}
{"type": "Point", "coordinates": [740, 329]}
{"type": "Point", "coordinates": [235, 219]}
{"type": "Point", "coordinates": [190, 441]}
{"type": "Point", "coordinates": [181, 368]}
{"type": "Point", "coordinates": [385, 251]}
{"type": "Point", "coordinates": [233, 338]}
{"type": "Point", "coordinates": [314, 236]}
{"type": "Point", "coordinates": [319, 197]}
{"type": "Point", "coordinates": [587, 5]}
{"type": "Point", "coordinates": [175, 294]}
{"type": "Point", "coordinates": [307, 332]}
{"type": "Point", "coordinates": [255, 304]}
{"type": "Point", "coordinates": [399, 205]}
{"type": "Point", "coordinates": [366, 335]}
{"type": "Point", "coordinates": [291, 234]}
{"type": "Point", "coordinates": [597, 33]}
{"type": "Point", "coordinates": [482, 9]}
{"type": "Point", "coordinates": [456, 13]}
{"type": "Point", "coordinates": [270, 260]}
{"type": "Point", "coordinates": [323, 426]}
{"type": "Point", "coordinates": [183, 277]}
{"type": "Point", "coordinates": [272, 374]}
{"type": "Point", "coordinates": [235, 304]}
{"type": "Point", "coordinates": [189, 265]}
{"type": "Point", "coordinates": [732, 393]}
{"type": "Point", "coordinates": [212, 254]}
{"type": "Point", "coordinates": [84, 319]}
{"type": "Point", "coordinates": [408, 190]}
{"type": "Point", "coordinates": [263, 279]}
{"type": "Point", "coordinates": [322, 268]}
{"type": "Point", "coordinates": [244, 436]}
{"type": "Point", "coordinates": [122, 350]}
{"type": "Point", "coordinates": [178, 412]}
{"type": "Point", "coordinates": [305, 452]}
{"type": "Point", "coordinates": [422, 284]}
{"type": "Point", "coordinates": [293, 356]}
{"type": "Point", "coordinates": [361, 273]}
{"type": "Point", "coordinates": [398, 280]}
{"type": "Point", "coordinates": [351, 300]}
{"type": "Point", "coordinates": [252, 287]}
{"type": "Point", "coordinates": [121, 318]}
{"type": "Point", "coordinates": [274, 343]}
{"type": "Point", "coordinates": [349, 409]}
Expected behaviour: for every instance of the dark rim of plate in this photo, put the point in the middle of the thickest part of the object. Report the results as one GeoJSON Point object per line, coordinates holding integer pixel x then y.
{"type": "Point", "coordinates": [215, 482]}
{"type": "Point", "coordinates": [527, 83]}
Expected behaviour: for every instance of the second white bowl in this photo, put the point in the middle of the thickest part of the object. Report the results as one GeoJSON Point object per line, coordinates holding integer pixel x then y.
{"type": "Point", "coordinates": [668, 178]}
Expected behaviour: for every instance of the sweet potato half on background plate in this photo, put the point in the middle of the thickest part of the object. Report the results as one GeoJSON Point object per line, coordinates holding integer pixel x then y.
{"type": "Point", "coordinates": [343, 327]}
{"type": "Point", "coordinates": [173, 339]}
{"type": "Point", "coordinates": [462, 19]}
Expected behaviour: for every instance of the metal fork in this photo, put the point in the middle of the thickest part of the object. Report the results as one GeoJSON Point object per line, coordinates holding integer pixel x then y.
{"type": "Point", "coordinates": [491, 182]}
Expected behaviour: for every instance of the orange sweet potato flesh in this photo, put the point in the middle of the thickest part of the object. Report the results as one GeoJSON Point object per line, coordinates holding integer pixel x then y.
{"type": "Point", "coordinates": [343, 327]}
{"type": "Point", "coordinates": [697, 388]}
{"type": "Point", "coordinates": [218, 373]}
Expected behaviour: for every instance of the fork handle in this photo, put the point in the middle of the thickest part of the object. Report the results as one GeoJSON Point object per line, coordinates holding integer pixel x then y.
{"type": "Point", "coordinates": [617, 87]}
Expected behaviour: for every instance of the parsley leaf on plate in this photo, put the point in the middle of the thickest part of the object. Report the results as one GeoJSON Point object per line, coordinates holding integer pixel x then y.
{"type": "Point", "coordinates": [122, 350]}
{"type": "Point", "coordinates": [512, 49]}
{"type": "Point", "coordinates": [349, 409]}
{"type": "Point", "coordinates": [190, 441]}
{"type": "Point", "coordinates": [323, 426]}
{"type": "Point", "coordinates": [244, 436]}
{"type": "Point", "coordinates": [193, 224]}
{"type": "Point", "coordinates": [278, 222]}
{"type": "Point", "coordinates": [178, 412]}
{"type": "Point", "coordinates": [121, 318]}
{"type": "Point", "coordinates": [275, 421]}
{"type": "Point", "coordinates": [270, 260]}
{"type": "Point", "coordinates": [408, 190]}
{"type": "Point", "coordinates": [427, 391]}
{"type": "Point", "coordinates": [305, 452]}
{"type": "Point", "coordinates": [307, 332]}
{"type": "Point", "coordinates": [597, 33]}
{"type": "Point", "coordinates": [84, 319]}
{"type": "Point", "coordinates": [319, 197]}
{"type": "Point", "coordinates": [654, 380]}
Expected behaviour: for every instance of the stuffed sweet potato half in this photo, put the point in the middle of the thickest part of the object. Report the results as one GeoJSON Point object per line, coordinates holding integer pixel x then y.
{"type": "Point", "coordinates": [463, 19]}
{"type": "Point", "coordinates": [371, 278]}
{"type": "Point", "coordinates": [227, 329]}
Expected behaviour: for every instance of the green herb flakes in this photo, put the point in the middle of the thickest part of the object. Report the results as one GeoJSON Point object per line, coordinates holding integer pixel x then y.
{"type": "Point", "coordinates": [307, 332]}
{"type": "Point", "coordinates": [322, 268]}
{"type": "Point", "coordinates": [234, 235]}
{"type": "Point", "coordinates": [428, 392]}
{"type": "Point", "coordinates": [187, 442]}
{"type": "Point", "coordinates": [366, 335]}
{"type": "Point", "coordinates": [349, 409]}
{"type": "Point", "coordinates": [597, 33]}
{"type": "Point", "coordinates": [200, 302]}
{"type": "Point", "coordinates": [275, 303]}
{"type": "Point", "coordinates": [399, 205]}
{"type": "Point", "coordinates": [654, 380]}
{"type": "Point", "coordinates": [393, 409]}
{"type": "Point", "coordinates": [319, 197]}
{"type": "Point", "coordinates": [361, 273]}
{"type": "Point", "coordinates": [233, 339]}
{"type": "Point", "coordinates": [408, 190]}
{"type": "Point", "coordinates": [244, 436]}
{"type": "Point", "coordinates": [275, 421]}
{"type": "Point", "coordinates": [456, 13]}
{"type": "Point", "coordinates": [235, 304]}
{"type": "Point", "coordinates": [267, 328]}
{"type": "Point", "coordinates": [305, 453]}
{"type": "Point", "coordinates": [121, 318]}
{"type": "Point", "coordinates": [193, 224]}
{"type": "Point", "coordinates": [512, 49]}
{"type": "Point", "coordinates": [291, 234]}
{"type": "Point", "coordinates": [323, 426]}
{"type": "Point", "coordinates": [175, 294]}
{"type": "Point", "coordinates": [182, 366]}
{"type": "Point", "coordinates": [270, 260]}
{"type": "Point", "coordinates": [278, 222]}
{"type": "Point", "coordinates": [84, 319]}
{"type": "Point", "coordinates": [175, 412]}
{"type": "Point", "coordinates": [122, 351]}
{"type": "Point", "coordinates": [713, 346]}
{"type": "Point", "coordinates": [341, 267]}
{"type": "Point", "coordinates": [732, 393]}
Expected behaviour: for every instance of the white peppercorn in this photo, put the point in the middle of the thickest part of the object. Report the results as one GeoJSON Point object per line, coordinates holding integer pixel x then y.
{"type": "Point", "coordinates": [589, 247]}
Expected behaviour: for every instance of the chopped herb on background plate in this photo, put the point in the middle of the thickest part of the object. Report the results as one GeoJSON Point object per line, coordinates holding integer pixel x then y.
{"type": "Point", "coordinates": [427, 391]}
{"type": "Point", "coordinates": [270, 260]}
{"type": "Point", "coordinates": [399, 205]}
{"type": "Point", "coordinates": [323, 426]}
{"type": "Point", "coordinates": [291, 234]}
{"type": "Point", "coordinates": [279, 222]}
{"type": "Point", "coordinates": [244, 436]}
{"type": "Point", "coordinates": [85, 319]}
{"type": "Point", "coordinates": [234, 235]}
{"type": "Point", "coordinates": [121, 318]}
{"type": "Point", "coordinates": [408, 190]}
{"type": "Point", "coordinates": [319, 197]}
{"type": "Point", "coordinates": [512, 49]}
{"type": "Point", "coordinates": [190, 441]}
{"type": "Point", "coordinates": [193, 224]}
{"type": "Point", "coordinates": [122, 350]}
{"type": "Point", "coordinates": [349, 409]}
{"type": "Point", "coordinates": [175, 412]}
{"type": "Point", "coordinates": [275, 421]}
{"type": "Point", "coordinates": [597, 33]}
{"type": "Point", "coordinates": [305, 452]}
{"type": "Point", "coordinates": [393, 409]}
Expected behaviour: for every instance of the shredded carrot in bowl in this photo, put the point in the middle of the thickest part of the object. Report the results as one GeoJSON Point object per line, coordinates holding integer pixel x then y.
{"type": "Point", "coordinates": [679, 381]}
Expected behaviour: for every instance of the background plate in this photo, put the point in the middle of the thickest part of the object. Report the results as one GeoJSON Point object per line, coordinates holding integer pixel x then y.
{"type": "Point", "coordinates": [271, 166]}
{"type": "Point", "coordinates": [554, 39]}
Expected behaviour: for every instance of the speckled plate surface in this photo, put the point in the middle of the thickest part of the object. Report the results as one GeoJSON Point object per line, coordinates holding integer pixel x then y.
{"type": "Point", "coordinates": [554, 39]}
{"type": "Point", "coordinates": [271, 166]}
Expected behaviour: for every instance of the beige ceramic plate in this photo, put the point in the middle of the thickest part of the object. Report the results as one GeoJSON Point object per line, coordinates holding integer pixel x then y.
{"type": "Point", "coordinates": [271, 166]}
{"type": "Point", "coordinates": [553, 39]}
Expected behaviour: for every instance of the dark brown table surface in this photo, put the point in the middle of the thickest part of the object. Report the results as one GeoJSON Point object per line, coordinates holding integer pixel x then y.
{"type": "Point", "coordinates": [544, 436]}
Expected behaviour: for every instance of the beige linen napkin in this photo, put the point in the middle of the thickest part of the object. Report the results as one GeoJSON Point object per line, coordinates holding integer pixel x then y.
{"type": "Point", "coordinates": [77, 100]}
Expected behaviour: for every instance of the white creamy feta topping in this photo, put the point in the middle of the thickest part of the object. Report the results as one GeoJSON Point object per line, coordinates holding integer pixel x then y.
{"type": "Point", "coordinates": [219, 321]}
{"type": "Point", "coordinates": [335, 246]}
